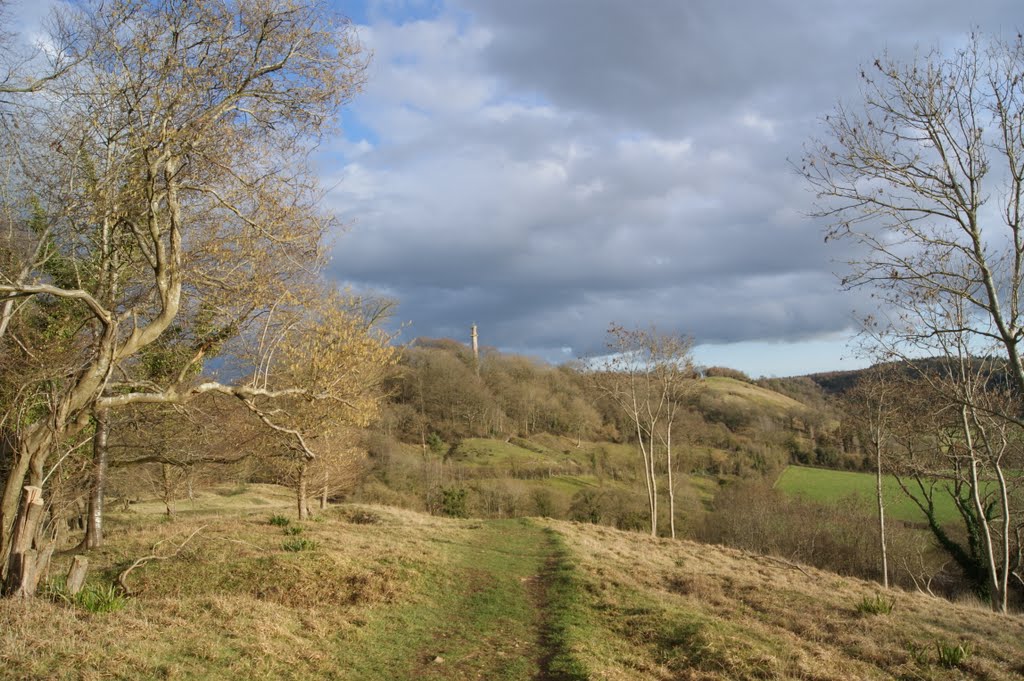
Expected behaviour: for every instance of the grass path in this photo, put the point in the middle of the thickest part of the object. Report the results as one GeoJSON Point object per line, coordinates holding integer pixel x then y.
{"type": "Point", "coordinates": [487, 612]}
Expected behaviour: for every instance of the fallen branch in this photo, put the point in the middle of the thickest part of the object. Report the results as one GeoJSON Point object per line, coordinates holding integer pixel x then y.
{"type": "Point", "coordinates": [780, 561]}
{"type": "Point", "coordinates": [122, 578]}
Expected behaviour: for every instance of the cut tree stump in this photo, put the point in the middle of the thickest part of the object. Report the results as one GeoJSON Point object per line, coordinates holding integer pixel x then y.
{"type": "Point", "coordinates": [76, 575]}
{"type": "Point", "coordinates": [28, 560]}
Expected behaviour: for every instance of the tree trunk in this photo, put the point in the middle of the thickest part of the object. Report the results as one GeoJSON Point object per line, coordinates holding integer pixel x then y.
{"type": "Point", "coordinates": [651, 508]}
{"type": "Point", "coordinates": [168, 488]}
{"type": "Point", "coordinates": [323, 492]}
{"type": "Point", "coordinates": [27, 559]}
{"type": "Point", "coordinates": [654, 495]}
{"type": "Point", "coordinates": [881, 510]}
{"type": "Point", "coordinates": [302, 498]}
{"type": "Point", "coordinates": [9, 506]}
{"type": "Point", "coordinates": [94, 519]}
{"type": "Point", "coordinates": [984, 528]}
{"type": "Point", "coordinates": [1004, 575]}
{"type": "Point", "coordinates": [29, 455]}
{"type": "Point", "coordinates": [671, 490]}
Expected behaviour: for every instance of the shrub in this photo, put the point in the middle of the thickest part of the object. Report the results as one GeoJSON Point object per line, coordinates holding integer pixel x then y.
{"type": "Point", "coordinates": [299, 544]}
{"type": "Point", "coordinates": [453, 502]}
{"type": "Point", "coordinates": [616, 507]}
{"type": "Point", "coordinates": [876, 605]}
{"type": "Point", "coordinates": [376, 492]}
{"type": "Point", "coordinates": [279, 520]}
{"type": "Point", "coordinates": [586, 507]}
{"type": "Point", "coordinates": [727, 372]}
{"type": "Point", "coordinates": [494, 499]}
{"type": "Point", "coordinates": [840, 536]}
{"type": "Point", "coordinates": [543, 502]}
{"type": "Point", "coordinates": [435, 443]}
{"type": "Point", "coordinates": [361, 517]}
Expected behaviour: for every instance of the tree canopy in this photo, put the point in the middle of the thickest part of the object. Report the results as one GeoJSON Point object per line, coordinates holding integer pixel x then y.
{"type": "Point", "coordinates": [159, 209]}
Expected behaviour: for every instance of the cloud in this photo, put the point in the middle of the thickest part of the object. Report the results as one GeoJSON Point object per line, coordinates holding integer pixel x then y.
{"type": "Point", "coordinates": [546, 168]}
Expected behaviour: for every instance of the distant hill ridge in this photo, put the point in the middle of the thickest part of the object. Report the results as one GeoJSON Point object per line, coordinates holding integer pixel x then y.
{"type": "Point", "coordinates": [838, 383]}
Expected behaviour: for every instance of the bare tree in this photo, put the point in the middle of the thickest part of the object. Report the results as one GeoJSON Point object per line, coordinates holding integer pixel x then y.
{"type": "Point", "coordinates": [925, 177]}
{"type": "Point", "coordinates": [27, 68]}
{"type": "Point", "coordinates": [872, 405]}
{"type": "Point", "coordinates": [647, 375]}
{"type": "Point", "coordinates": [179, 200]}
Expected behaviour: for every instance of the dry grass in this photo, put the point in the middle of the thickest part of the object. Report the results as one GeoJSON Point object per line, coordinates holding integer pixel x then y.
{"type": "Point", "coordinates": [732, 391]}
{"type": "Point", "coordinates": [387, 590]}
{"type": "Point", "coordinates": [662, 609]}
{"type": "Point", "coordinates": [232, 603]}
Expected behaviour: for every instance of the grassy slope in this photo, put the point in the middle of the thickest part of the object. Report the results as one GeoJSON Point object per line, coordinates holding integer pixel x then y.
{"type": "Point", "coordinates": [544, 451]}
{"type": "Point", "coordinates": [828, 485]}
{"type": "Point", "coordinates": [524, 599]}
{"type": "Point", "coordinates": [571, 466]}
{"type": "Point", "coordinates": [562, 466]}
{"type": "Point", "coordinates": [732, 390]}
{"type": "Point", "coordinates": [374, 600]}
{"type": "Point", "coordinates": [658, 609]}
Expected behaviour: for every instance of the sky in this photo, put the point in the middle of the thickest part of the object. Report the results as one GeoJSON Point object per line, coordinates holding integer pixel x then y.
{"type": "Point", "coordinates": [543, 168]}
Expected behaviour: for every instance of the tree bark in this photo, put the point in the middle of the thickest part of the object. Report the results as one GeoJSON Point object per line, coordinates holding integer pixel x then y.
{"type": "Point", "coordinates": [652, 474]}
{"type": "Point", "coordinates": [76, 574]}
{"type": "Point", "coordinates": [648, 479]}
{"type": "Point", "coordinates": [94, 523]}
{"type": "Point", "coordinates": [671, 490]}
{"type": "Point", "coordinates": [30, 453]}
{"type": "Point", "coordinates": [979, 508]}
{"type": "Point", "coordinates": [168, 485]}
{"type": "Point", "coordinates": [26, 560]}
{"type": "Point", "coordinates": [881, 510]}
{"type": "Point", "coordinates": [1004, 575]}
{"type": "Point", "coordinates": [302, 492]}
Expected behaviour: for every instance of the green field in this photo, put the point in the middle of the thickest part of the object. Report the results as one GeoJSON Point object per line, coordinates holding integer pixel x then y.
{"type": "Point", "coordinates": [828, 486]}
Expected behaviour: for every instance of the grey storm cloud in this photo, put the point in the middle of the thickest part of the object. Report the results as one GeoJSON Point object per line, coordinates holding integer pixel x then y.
{"type": "Point", "coordinates": [545, 168]}
{"type": "Point", "coordinates": [663, 63]}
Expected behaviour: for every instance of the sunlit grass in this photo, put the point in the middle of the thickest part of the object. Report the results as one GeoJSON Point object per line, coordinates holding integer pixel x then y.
{"type": "Point", "coordinates": [663, 609]}
{"type": "Point", "coordinates": [828, 486]}
{"type": "Point", "coordinates": [731, 389]}
{"type": "Point", "coordinates": [393, 594]}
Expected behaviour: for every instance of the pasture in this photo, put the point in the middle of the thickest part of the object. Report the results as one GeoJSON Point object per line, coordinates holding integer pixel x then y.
{"type": "Point", "coordinates": [827, 486]}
